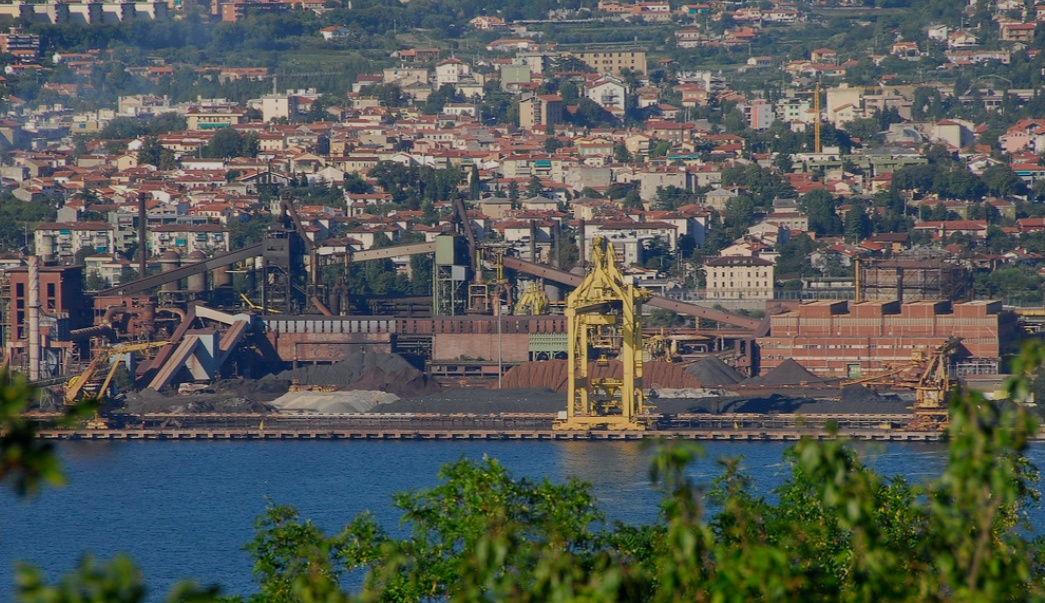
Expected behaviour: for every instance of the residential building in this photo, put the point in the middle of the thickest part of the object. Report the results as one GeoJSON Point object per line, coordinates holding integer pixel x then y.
{"type": "Point", "coordinates": [614, 60]}
{"type": "Point", "coordinates": [760, 114]}
{"type": "Point", "coordinates": [540, 110]}
{"type": "Point", "coordinates": [62, 240]}
{"type": "Point", "coordinates": [739, 277]}
{"type": "Point", "coordinates": [184, 238]}
{"type": "Point", "coordinates": [214, 117]}
{"type": "Point", "coordinates": [608, 92]}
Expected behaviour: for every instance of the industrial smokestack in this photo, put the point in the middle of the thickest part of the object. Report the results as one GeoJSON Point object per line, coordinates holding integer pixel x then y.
{"type": "Point", "coordinates": [533, 241]}
{"type": "Point", "coordinates": [580, 243]}
{"type": "Point", "coordinates": [34, 318]}
{"type": "Point", "coordinates": [142, 254]}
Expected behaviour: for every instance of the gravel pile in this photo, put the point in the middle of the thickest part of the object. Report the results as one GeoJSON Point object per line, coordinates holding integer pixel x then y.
{"type": "Point", "coordinates": [688, 393]}
{"type": "Point", "coordinates": [333, 403]}
{"type": "Point", "coordinates": [364, 371]}
{"type": "Point", "coordinates": [713, 371]}
{"type": "Point", "coordinates": [787, 372]}
{"type": "Point", "coordinates": [481, 401]}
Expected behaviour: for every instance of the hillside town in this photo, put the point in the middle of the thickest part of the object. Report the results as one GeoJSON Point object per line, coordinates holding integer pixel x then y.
{"type": "Point", "coordinates": [827, 173]}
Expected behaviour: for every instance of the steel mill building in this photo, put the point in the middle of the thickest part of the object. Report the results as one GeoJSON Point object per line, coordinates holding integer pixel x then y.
{"type": "Point", "coordinates": [840, 339]}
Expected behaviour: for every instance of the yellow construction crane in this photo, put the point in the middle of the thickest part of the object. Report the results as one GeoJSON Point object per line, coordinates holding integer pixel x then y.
{"type": "Point", "coordinates": [816, 118]}
{"type": "Point", "coordinates": [603, 320]}
{"type": "Point", "coordinates": [80, 387]}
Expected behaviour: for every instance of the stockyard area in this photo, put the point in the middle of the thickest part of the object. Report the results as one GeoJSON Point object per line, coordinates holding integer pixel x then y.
{"type": "Point", "coordinates": [388, 383]}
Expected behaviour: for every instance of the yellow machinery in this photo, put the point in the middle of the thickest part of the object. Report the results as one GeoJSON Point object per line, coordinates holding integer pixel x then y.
{"type": "Point", "coordinates": [816, 119]}
{"type": "Point", "coordinates": [930, 394]}
{"type": "Point", "coordinates": [602, 315]}
{"type": "Point", "coordinates": [533, 301]}
{"type": "Point", "coordinates": [927, 375]}
{"type": "Point", "coordinates": [660, 347]}
{"type": "Point", "coordinates": [254, 306]}
{"type": "Point", "coordinates": [80, 386]}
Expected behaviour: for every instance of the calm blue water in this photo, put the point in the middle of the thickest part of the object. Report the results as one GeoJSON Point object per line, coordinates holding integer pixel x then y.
{"type": "Point", "coordinates": [185, 509]}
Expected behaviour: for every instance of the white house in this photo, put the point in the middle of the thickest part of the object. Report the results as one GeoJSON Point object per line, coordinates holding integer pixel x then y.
{"type": "Point", "coordinates": [608, 92]}
{"type": "Point", "coordinates": [334, 32]}
{"type": "Point", "coordinates": [451, 71]}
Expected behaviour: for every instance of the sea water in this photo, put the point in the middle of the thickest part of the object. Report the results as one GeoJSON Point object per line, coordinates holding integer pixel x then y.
{"type": "Point", "coordinates": [185, 509]}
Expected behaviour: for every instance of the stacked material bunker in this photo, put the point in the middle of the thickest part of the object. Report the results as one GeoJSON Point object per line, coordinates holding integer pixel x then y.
{"type": "Point", "coordinates": [839, 339]}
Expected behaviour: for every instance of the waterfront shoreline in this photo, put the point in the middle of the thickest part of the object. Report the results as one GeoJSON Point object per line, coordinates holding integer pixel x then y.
{"type": "Point", "coordinates": [507, 426]}
{"type": "Point", "coordinates": [738, 435]}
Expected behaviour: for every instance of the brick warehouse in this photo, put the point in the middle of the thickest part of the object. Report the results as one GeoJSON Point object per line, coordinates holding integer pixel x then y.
{"type": "Point", "coordinates": [838, 339]}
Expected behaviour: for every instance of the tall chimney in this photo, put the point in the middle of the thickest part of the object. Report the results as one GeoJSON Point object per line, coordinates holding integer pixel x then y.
{"type": "Point", "coordinates": [533, 240]}
{"type": "Point", "coordinates": [142, 251]}
{"type": "Point", "coordinates": [580, 243]}
{"type": "Point", "coordinates": [34, 318]}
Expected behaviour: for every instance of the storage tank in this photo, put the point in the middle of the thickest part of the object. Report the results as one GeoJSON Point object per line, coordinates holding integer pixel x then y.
{"type": "Point", "coordinates": [47, 247]}
{"type": "Point", "coordinates": [197, 283]}
{"type": "Point", "coordinates": [170, 260]}
{"type": "Point", "coordinates": [220, 277]}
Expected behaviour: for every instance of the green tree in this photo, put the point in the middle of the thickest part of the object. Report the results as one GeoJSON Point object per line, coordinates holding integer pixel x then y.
{"type": "Point", "coordinates": [1001, 181]}
{"type": "Point", "coordinates": [858, 225]}
{"type": "Point", "coordinates": [739, 215]}
{"type": "Point", "coordinates": [534, 188]}
{"type": "Point", "coordinates": [819, 205]}
{"type": "Point", "coordinates": [474, 183]}
{"type": "Point", "coordinates": [834, 530]}
{"type": "Point", "coordinates": [225, 144]}
{"type": "Point", "coordinates": [621, 154]}
{"type": "Point", "coordinates": [632, 200]}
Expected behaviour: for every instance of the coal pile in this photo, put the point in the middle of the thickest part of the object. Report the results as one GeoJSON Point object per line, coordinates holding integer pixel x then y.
{"type": "Point", "coordinates": [712, 371]}
{"type": "Point", "coordinates": [787, 372]}
{"type": "Point", "coordinates": [859, 399]}
{"type": "Point", "coordinates": [370, 371]}
{"type": "Point", "coordinates": [552, 375]}
{"type": "Point", "coordinates": [148, 401]}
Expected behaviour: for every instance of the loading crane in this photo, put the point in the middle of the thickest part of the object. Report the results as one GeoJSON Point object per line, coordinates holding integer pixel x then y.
{"type": "Point", "coordinates": [930, 394]}
{"type": "Point", "coordinates": [603, 319]}
{"type": "Point", "coordinates": [928, 376]}
{"type": "Point", "coordinates": [80, 386]}
{"type": "Point", "coordinates": [533, 301]}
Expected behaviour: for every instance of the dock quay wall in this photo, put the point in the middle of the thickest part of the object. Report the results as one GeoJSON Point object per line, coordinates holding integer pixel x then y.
{"type": "Point", "coordinates": [518, 426]}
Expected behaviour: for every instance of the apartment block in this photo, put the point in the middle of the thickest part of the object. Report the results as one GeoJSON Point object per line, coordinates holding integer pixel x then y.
{"type": "Point", "coordinates": [614, 60]}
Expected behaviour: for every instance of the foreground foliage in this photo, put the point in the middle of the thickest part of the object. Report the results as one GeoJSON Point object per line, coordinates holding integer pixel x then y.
{"type": "Point", "coordinates": [835, 530]}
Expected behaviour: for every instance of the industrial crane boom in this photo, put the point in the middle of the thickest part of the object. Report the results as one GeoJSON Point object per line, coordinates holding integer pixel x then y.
{"type": "Point", "coordinates": [74, 389]}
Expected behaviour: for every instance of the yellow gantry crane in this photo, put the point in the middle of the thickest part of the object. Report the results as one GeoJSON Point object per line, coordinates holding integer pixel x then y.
{"type": "Point", "coordinates": [79, 386]}
{"type": "Point", "coordinates": [603, 320]}
{"type": "Point", "coordinates": [533, 301]}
